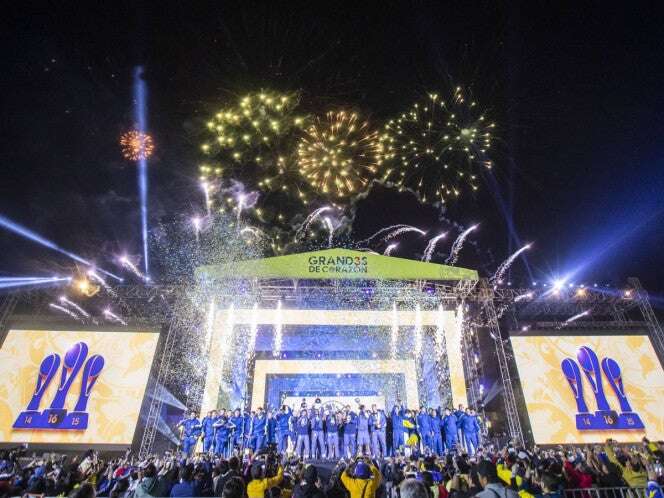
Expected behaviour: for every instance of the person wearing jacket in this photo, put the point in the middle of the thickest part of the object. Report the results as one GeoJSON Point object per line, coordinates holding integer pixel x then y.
{"type": "Point", "coordinates": [460, 414]}
{"type": "Point", "coordinates": [378, 426]}
{"type": "Point", "coordinates": [632, 470]}
{"type": "Point", "coordinates": [424, 429]}
{"type": "Point", "coordinates": [207, 426]}
{"type": "Point", "coordinates": [302, 431]}
{"type": "Point", "coordinates": [238, 427]}
{"type": "Point", "coordinates": [361, 479]}
{"type": "Point", "coordinates": [436, 436]}
{"type": "Point", "coordinates": [471, 430]}
{"type": "Point", "coordinates": [258, 429]}
{"type": "Point", "coordinates": [308, 486]}
{"type": "Point", "coordinates": [259, 484]}
{"type": "Point", "coordinates": [332, 424]}
{"type": "Point", "coordinates": [270, 428]}
{"type": "Point", "coordinates": [450, 428]}
{"type": "Point", "coordinates": [397, 427]}
{"type": "Point", "coordinates": [350, 433]}
{"type": "Point", "coordinates": [222, 434]}
{"type": "Point", "coordinates": [317, 435]}
{"type": "Point", "coordinates": [283, 430]}
{"type": "Point", "coordinates": [191, 431]}
{"type": "Point", "coordinates": [363, 438]}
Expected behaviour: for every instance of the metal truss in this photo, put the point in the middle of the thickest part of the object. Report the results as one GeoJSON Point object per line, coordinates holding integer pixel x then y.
{"type": "Point", "coordinates": [511, 411]}
{"type": "Point", "coordinates": [642, 301]}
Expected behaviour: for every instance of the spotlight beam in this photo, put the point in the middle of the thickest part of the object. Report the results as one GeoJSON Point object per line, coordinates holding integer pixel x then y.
{"type": "Point", "coordinates": [33, 236]}
{"type": "Point", "coordinates": [140, 97]}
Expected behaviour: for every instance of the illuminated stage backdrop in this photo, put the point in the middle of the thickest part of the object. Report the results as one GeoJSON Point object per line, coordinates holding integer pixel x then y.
{"type": "Point", "coordinates": [73, 387]}
{"type": "Point", "coordinates": [320, 324]}
{"type": "Point", "coordinates": [585, 389]}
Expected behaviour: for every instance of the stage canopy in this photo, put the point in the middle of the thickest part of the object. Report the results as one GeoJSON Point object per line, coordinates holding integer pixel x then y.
{"type": "Point", "coordinates": [336, 264]}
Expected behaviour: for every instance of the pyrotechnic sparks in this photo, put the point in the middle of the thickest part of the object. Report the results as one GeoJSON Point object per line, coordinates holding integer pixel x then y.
{"type": "Point", "coordinates": [505, 265]}
{"type": "Point", "coordinates": [65, 311]}
{"type": "Point", "coordinates": [254, 142]}
{"type": "Point", "coordinates": [521, 297]}
{"type": "Point", "coordinates": [97, 278]}
{"type": "Point", "coordinates": [458, 245]}
{"type": "Point", "coordinates": [437, 145]}
{"type": "Point", "coordinates": [340, 155]}
{"type": "Point", "coordinates": [278, 330]}
{"type": "Point", "coordinates": [401, 231]}
{"type": "Point", "coordinates": [29, 234]}
{"type": "Point", "coordinates": [302, 231]}
{"type": "Point", "coordinates": [330, 231]}
{"type": "Point", "coordinates": [394, 338]}
{"type": "Point", "coordinates": [390, 248]}
{"type": "Point", "coordinates": [431, 246]}
{"type": "Point", "coordinates": [136, 145]}
{"type": "Point", "coordinates": [112, 317]}
{"type": "Point", "coordinates": [127, 263]}
{"type": "Point", "coordinates": [381, 232]}
{"type": "Point", "coordinates": [418, 331]}
{"type": "Point", "coordinates": [72, 304]}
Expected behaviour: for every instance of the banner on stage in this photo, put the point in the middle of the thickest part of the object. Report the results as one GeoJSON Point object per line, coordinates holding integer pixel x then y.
{"type": "Point", "coordinates": [73, 387]}
{"type": "Point", "coordinates": [586, 389]}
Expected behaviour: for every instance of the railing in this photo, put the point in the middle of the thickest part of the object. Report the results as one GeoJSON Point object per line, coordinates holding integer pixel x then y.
{"type": "Point", "coordinates": [607, 493]}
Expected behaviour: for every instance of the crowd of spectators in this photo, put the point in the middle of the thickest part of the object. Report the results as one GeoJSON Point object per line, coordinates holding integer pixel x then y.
{"type": "Point", "coordinates": [608, 470]}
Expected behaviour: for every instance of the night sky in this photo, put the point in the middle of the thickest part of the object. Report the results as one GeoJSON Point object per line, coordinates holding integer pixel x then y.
{"type": "Point", "coordinates": [576, 94]}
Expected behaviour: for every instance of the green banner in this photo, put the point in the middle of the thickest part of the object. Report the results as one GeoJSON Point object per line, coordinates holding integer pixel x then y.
{"type": "Point", "coordinates": [336, 264]}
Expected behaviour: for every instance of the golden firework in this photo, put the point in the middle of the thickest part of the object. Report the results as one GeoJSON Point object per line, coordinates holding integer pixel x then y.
{"type": "Point", "coordinates": [437, 146]}
{"type": "Point", "coordinates": [339, 155]}
{"type": "Point", "coordinates": [136, 145]}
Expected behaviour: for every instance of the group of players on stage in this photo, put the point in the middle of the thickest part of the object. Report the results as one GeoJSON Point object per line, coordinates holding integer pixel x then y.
{"type": "Point", "coordinates": [321, 432]}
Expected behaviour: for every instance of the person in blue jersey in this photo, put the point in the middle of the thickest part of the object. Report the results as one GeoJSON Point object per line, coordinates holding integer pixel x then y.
{"type": "Point", "coordinates": [436, 434]}
{"type": "Point", "coordinates": [191, 431]}
{"type": "Point", "coordinates": [332, 424]}
{"type": "Point", "coordinates": [471, 430]}
{"type": "Point", "coordinates": [283, 418]}
{"type": "Point", "coordinates": [317, 435]}
{"type": "Point", "coordinates": [397, 427]}
{"type": "Point", "coordinates": [222, 436]}
{"type": "Point", "coordinates": [208, 430]}
{"type": "Point", "coordinates": [247, 441]}
{"type": "Point", "coordinates": [378, 427]}
{"type": "Point", "coordinates": [450, 429]}
{"type": "Point", "coordinates": [350, 433]}
{"type": "Point", "coordinates": [363, 436]}
{"type": "Point", "coordinates": [460, 414]}
{"type": "Point", "coordinates": [302, 448]}
{"type": "Point", "coordinates": [424, 429]}
{"type": "Point", "coordinates": [238, 427]}
{"type": "Point", "coordinates": [258, 430]}
{"type": "Point", "coordinates": [271, 428]}
{"type": "Point", "coordinates": [411, 433]}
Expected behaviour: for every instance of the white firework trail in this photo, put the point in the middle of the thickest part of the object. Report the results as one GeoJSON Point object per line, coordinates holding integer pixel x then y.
{"type": "Point", "coordinates": [504, 266]}
{"type": "Point", "coordinates": [309, 220]}
{"type": "Point", "coordinates": [575, 318]}
{"type": "Point", "coordinates": [72, 304]}
{"type": "Point", "coordinates": [382, 231]}
{"type": "Point", "coordinates": [65, 311]}
{"type": "Point", "coordinates": [95, 276]}
{"type": "Point", "coordinates": [278, 330]}
{"type": "Point", "coordinates": [395, 331]}
{"type": "Point", "coordinates": [126, 263]}
{"type": "Point", "coordinates": [418, 331]}
{"type": "Point", "coordinates": [521, 297]}
{"type": "Point", "coordinates": [402, 230]}
{"type": "Point", "coordinates": [390, 248]}
{"type": "Point", "coordinates": [240, 207]}
{"type": "Point", "coordinates": [330, 230]}
{"type": "Point", "coordinates": [458, 245]}
{"type": "Point", "coordinates": [431, 246]}
{"type": "Point", "coordinates": [256, 232]}
{"type": "Point", "coordinates": [112, 317]}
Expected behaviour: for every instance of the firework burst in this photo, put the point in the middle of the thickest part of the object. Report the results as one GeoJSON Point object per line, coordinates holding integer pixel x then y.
{"type": "Point", "coordinates": [438, 145]}
{"type": "Point", "coordinates": [339, 155]}
{"type": "Point", "coordinates": [136, 145]}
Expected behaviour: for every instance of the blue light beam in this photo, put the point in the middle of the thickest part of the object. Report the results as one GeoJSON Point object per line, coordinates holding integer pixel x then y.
{"type": "Point", "coordinates": [140, 104]}
{"type": "Point", "coordinates": [30, 235]}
